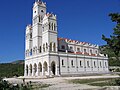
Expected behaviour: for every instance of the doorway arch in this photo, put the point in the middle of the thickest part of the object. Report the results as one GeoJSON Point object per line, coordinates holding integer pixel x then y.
{"type": "Point", "coordinates": [53, 69]}
{"type": "Point", "coordinates": [35, 69]}
{"type": "Point", "coordinates": [39, 68]}
{"type": "Point", "coordinates": [26, 70]}
{"type": "Point", "coordinates": [30, 69]}
{"type": "Point", "coordinates": [45, 66]}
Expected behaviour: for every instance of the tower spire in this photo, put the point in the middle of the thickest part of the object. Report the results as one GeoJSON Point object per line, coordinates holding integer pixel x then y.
{"type": "Point", "coordinates": [39, 0]}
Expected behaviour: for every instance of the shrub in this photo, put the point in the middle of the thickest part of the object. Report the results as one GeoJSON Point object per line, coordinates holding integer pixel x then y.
{"type": "Point", "coordinates": [117, 82]}
{"type": "Point", "coordinates": [4, 85]}
{"type": "Point", "coordinates": [117, 70]}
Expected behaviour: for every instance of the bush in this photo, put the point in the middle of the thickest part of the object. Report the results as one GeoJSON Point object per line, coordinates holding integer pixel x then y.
{"type": "Point", "coordinates": [117, 82]}
{"type": "Point", "coordinates": [117, 70]}
{"type": "Point", "coordinates": [114, 62]}
{"type": "Point", "coordinates": [4, 85]}
{"type": "Point", "coordinates": [10, 70]}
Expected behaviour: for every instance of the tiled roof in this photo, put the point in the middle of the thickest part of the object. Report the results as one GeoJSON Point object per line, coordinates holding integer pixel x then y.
{"type": "Point", "coordinates": [81, 53]}
{"type": "Point", "coordinates": [75, 41]}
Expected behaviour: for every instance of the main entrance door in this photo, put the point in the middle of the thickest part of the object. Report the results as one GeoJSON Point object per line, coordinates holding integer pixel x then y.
{"type": "Point", "coordinates": [53, 67]}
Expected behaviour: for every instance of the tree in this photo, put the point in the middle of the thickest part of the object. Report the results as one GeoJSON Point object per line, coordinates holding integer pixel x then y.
{"type": "Point", "coordinates": [113, 43]}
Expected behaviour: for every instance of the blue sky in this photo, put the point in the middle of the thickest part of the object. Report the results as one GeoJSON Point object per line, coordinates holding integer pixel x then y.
{"type": "Point", "coordinates": [83, 20]}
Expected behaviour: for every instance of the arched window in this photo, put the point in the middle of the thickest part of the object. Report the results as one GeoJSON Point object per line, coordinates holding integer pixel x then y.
{"type": "Point", "coordinates": [43, 47]}
{"type": "Point", "coordinates": [50, 46]}
{"type": "Point", "coordinates": [49, 26]}
{"type": "Point", "coordinates": [30, 52]}
{"type": "Point", "coordinates": [52, 26]}
{"type": "Point", "coordinates": [30, 68]}
{"type": "Point", "coordinates": [72, 63]}
{"type": "Point", "coordinates": [45, 66]}
{"type": "Point", "coordinates": [40, 67]}
{"type": "Point", "coordinates": [54, 47]}
{"type": "Point", "coordinates": [35, 67]}
{"type": "Point", "coordinates": [27, 70]}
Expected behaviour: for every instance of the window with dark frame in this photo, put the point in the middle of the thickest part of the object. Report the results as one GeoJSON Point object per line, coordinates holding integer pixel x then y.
{"type": "Point", "coordinates": [62, 62]}
{"type": "Point", "coordinates": [85, 50]}
{"type": "Point", "coordinates": [100, 64]}
{"type": "Point", "coordinates": [90, 51]}
{"type": "Point", "coordinates": [71, 48]}
{"type": "Point", "coordinates": [80, 63]}
{"type": "Point", "coordinates": [72, 63]}
{"type": "Point", "coordinates": [94, 64]}
{"type": "Point", "coordinates": [62, 47]}
{"type": "Point", "coordinates": [78, 49]}
{"type": "Point", "coordinates": [88, 64]}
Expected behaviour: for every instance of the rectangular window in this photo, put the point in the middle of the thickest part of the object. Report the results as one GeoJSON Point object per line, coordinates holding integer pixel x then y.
{"type": "Point", "coordinates": [80, 63]}
{"type": "Point", "coordinates": [62, 47]}
{"type": "Point", "coordinates": [31, 52]}
{"type": "Point", "coordinates": [85, 51]}
{"type": "Point", "coordinates": [100, 64]}
{"type": "Point", "coordinates": [72, 63]}
{"type": "Point", "coordinates": [71, 48]}
{"type": "Point", "coordinates": [91, 51]}
{"type": "Point", "coordinates": [62, 62]}
{"type": "Point", "coordinates": [78, 49]}
{"type": "Point", "coordinates": [88, 64]}
{"type": "Point", "coordinates": [105, 64]}
{"type": "Point", "coordinates": [94, 64]}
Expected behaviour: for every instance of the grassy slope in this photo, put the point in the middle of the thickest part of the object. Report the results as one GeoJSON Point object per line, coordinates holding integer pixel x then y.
{"type": "Point", "coordinates": [10, 70]}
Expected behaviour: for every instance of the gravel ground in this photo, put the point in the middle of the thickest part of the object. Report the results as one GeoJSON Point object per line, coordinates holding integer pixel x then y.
{"type": "Point", "coordinates": [60, 83]}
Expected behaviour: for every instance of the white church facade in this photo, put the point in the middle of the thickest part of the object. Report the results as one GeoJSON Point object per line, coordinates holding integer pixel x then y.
{"type": "Point", "coordinates": [48, 55]}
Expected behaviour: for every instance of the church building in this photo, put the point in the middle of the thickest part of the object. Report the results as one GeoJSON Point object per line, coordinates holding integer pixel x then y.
{"type": "Point", "coordinates": [46, 54]}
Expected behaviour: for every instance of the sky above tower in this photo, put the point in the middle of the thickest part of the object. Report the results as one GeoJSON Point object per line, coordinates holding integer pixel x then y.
{"type": "Point", "coordinates": [83, 20]}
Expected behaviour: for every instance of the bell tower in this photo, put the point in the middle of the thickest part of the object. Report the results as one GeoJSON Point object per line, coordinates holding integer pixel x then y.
{"type": "Point", "coordinates": [49, 34]}
{"type": "Point", "coordinates": [28, 43]}
{"type": "Point", "coordinates": [39, 11]}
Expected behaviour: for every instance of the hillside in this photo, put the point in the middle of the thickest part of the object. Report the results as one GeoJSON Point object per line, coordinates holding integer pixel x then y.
{"type": "Point", "coordinates": [15, 68]}
{"type": "Point", "coordinates": [18, 62]}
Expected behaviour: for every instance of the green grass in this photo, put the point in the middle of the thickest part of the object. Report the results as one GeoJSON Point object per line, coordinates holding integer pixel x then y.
{"type": "Point", "coordinates": [83, 81]}
{"type": "Point", "coordinates": [37, 86]}
{"type": "Point", "coordinates": [40, 86]}
{"type": "Point", "coordinates": [96, 82]}
{"type": "Point", "coordinates": [101, 84]}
